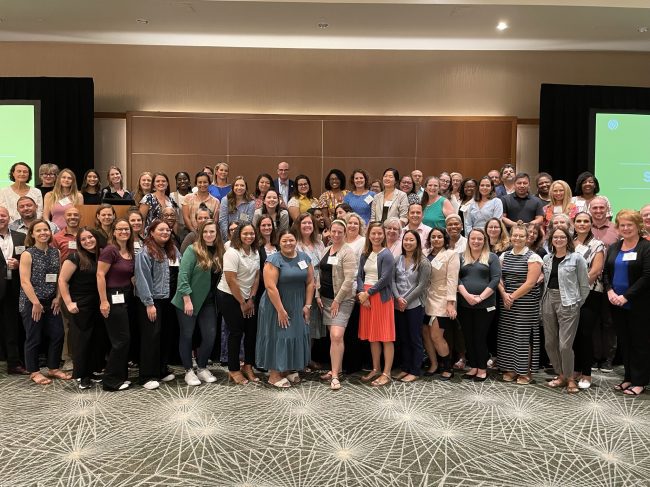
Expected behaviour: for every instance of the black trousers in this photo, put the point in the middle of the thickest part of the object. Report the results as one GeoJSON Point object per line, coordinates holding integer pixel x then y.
{"type": "Point", "coordinates": [86, 335]}
{"type": "Point", "coordinates": [583, 345]}
{"type": "Point", "coordinates": [11, 329]}
{"type": "Point", "coordinates": [475, 323]}
{"type": "Point", "coordinates": [50, 325]}
{"type": "Point", "coordinates": [633, 327]}
{"type": "Point", "coordinates": [408, 324]}
{"type": "Point", "coordinates": [117, 327]}
{"type": "Point", "coordinates": [154, 341]}
{"type": "Point", "coordinates": [238, 326]}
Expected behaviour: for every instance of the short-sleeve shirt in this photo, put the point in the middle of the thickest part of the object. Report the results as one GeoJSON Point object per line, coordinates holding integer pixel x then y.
{"type": "Point", "coordinates": [246, 267]}
{"type": "Point", "coordinates": [121, 271]}
{"type": "Point", "coordinates": [524, 209]}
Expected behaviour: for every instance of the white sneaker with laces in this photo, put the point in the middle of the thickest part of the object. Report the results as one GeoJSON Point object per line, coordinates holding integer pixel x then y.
{"type": "Point", "coordinates": [191, 379]}
{"type": "Point", "coordinates": [151, 385]}
{"type": "Point", "coordinates": [206, 376]}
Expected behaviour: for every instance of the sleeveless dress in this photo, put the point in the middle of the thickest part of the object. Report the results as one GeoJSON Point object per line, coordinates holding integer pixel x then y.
{"type": "Point", "coordinates": [284, 348]}
{"type": "Point", "coordinates": [518, 330]}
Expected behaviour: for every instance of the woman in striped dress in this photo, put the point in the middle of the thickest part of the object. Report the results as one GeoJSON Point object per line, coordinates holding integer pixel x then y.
{"type": "Point", "coordinates": [518, 331]}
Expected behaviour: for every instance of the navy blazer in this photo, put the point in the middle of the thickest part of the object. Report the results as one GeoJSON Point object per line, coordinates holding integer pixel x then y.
{"type": "Point", "coordinates": [385, 269]}
{"type": "Point", "coordinates": [292, 185]}
{"type": "Point", "coordinates": [18, 240]}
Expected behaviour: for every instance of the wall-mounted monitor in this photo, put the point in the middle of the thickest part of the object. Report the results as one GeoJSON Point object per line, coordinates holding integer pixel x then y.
{"type": "Point", "coordinates": [20, 137]}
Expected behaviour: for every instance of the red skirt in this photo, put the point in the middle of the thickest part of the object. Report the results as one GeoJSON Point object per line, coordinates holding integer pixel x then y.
{"type": "Point", "coordinates": [377, 323]}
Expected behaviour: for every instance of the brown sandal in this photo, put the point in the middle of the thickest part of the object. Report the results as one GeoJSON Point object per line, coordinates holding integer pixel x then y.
{"type": "Point", "coordinates": [382, 380]}
{"type": "Point", "coordinates": [40, 379]}
{"type": "Point", "coordinates": [59, 374]}
{"type": "Point", "coordinates": [370, 376]}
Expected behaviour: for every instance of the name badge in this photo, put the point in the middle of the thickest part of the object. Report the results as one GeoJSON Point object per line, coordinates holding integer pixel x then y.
{"type": "Point", "coordinates": [50, 277]}
{"type": "Point", "coordinates": [333, 260]}
{"type": "Point", "coordinates": [388, 204]}
{"type": "Point", "coordinates": [117, 298]}
{"type": "Point", "coordinates": [243, 217]}
{"type": "Point", "coordinates": [65, 201]}
{"type": "Point", "coordinates": [8, 273]}
{"type": "Point", "coordinates": [19, 249]}
{"type": "Point", "coordinates": [302, 264]}
{"type": "Point", "coordinates": [136, 245]}
{"type": "Point", "coordinates": [629, 256]}
{"type": "Point", "coordinates": [436, 264]}
{"type": "Point", "coordinates": [72, 245]}
{"type": "Point", "coordinates": [490, 309]}
{"type": "Point", "coordinates": [368, 199]}
{"type": "Point", "coordinates": [173, 263]}
{"type": "Point", "coordinates": [581, 249]}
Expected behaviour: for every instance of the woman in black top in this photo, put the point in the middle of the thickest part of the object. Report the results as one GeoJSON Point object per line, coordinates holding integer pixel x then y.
{"type": "Point", "coordinates": [91, 188]}
{"type": "Point", "coordinates": [78, 287]}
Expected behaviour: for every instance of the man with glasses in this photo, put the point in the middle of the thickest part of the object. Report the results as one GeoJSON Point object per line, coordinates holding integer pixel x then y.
{"type": "Point", "coordinates": [284, 185]}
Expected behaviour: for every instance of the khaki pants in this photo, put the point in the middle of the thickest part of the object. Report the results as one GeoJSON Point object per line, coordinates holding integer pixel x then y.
{"type": "Point", "coordinates": [560, 327]}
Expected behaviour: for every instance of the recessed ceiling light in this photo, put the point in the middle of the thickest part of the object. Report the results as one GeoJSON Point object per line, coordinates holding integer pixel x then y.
{"type": "Point", "coordinates": [142, 21]}
{"type": "Point", "coordinates": [322, 24]}
{"type": "Point", "coordinates": [643, 30]}
{"type": "Point", "coordinates": [502, 26]}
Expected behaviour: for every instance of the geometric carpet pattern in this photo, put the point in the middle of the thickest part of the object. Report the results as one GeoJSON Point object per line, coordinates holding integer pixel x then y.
{"type": "Point", "coordinates": [426, 433]}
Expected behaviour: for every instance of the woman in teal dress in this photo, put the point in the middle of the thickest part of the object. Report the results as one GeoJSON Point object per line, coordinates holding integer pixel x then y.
{"type": "Point", "coordinates": [285, 308]}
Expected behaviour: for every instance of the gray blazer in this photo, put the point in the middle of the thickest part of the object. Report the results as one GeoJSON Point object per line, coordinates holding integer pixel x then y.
{"type": "Point", "coordinates": [416, 295]}
{"type": "Point", "coordinates": [399, 207]}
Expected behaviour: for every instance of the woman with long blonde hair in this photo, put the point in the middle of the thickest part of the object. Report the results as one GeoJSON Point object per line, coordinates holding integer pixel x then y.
{"type": "Point", "coordinates": [64, 195]}
{"type": "Point", "coordinates": [560, 194]}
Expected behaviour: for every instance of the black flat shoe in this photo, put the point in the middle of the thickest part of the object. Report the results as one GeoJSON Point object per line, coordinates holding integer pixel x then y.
{"type": "Point", "coordinates": [426, 373]}
{"type": "Point", "coordinates": [445, 378]}
{"type": "Point", "coordinates": [480, 379]}
{"type": "Point", "coordinates": [468, 376]}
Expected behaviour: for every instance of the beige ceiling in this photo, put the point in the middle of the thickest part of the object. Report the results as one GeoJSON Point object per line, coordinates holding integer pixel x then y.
{"type": "Point", "coordinates": [363, 24]}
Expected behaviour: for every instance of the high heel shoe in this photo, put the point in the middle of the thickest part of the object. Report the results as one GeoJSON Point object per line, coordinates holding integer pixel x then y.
{"type": "Point", "coordinates": [250, 374]}
{"type": "Point", "coordinates": [238, 378]}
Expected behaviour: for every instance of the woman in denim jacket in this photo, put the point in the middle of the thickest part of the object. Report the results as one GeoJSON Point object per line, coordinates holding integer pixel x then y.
{"type": "Point", "coordinates": [152, 287]}
{"type": "Point", "coordinates": [566, 284]}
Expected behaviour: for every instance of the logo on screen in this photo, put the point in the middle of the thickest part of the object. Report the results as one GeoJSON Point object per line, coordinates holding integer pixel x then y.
{"type": "Point", "coordinates": [612, 124]}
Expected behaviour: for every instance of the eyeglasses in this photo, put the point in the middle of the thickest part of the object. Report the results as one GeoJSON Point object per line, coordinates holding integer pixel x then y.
{"type": "Point", "coordinates": [122, 229]}
{"type": "Point", "coordinates": [561, 237]}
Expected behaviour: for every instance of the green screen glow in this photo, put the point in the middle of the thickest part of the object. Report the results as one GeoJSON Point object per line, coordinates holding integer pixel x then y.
{"type": "Point", "coordinates": [16, 139]}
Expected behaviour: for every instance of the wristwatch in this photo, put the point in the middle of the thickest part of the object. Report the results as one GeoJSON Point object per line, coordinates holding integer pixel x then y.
{"type": "Point", "coordinates": [308, 306]}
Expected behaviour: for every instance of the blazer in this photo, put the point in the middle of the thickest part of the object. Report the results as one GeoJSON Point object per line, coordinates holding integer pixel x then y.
{"type": "Point", "coordinates": [443, 284]}
{"type": "Point", "coordinates": [638, 272]}
{"type": "Point", "coordinates": [416, 295]}
{"type": "Point", "coordinates": [343, 274]}
{"type": "Point", "coordinates": [385, 269]}
{"type": "Point", "coordinates": [18, 239]}
{"type": "Point", "coordinates": [399, 207]}
{"type": "Point", "coordinates": [292, 186]}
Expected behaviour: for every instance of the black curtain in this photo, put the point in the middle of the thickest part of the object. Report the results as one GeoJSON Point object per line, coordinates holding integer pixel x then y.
{"type": "Point", "coordinates": [564, 123]}
{"type": "Point", "coordinates": [67, 108]}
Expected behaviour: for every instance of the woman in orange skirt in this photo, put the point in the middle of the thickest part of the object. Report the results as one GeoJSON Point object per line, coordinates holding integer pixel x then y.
{"type": "Point", "coordinates": [377, 319]}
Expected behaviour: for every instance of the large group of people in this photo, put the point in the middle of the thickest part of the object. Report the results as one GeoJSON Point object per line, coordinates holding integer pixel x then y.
{"type": "Point", "coordinates": [410, 276]}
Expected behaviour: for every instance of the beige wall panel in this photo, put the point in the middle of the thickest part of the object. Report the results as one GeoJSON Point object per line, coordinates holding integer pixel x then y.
{"type": "Point", "coordinates": [474, 168]}
{"type": "Point", "coordinates": [440, 139]}
{"type": "Point", "coordinates": [275, 137]}
{"type": "Point", "coordinates": [357, 138]}
{"type": "Point", "coordinates": [296, 81]}
{"type": "Point", "coordinates": [374, 165]}
{"type": "Point", "coordinates": [251, 166]}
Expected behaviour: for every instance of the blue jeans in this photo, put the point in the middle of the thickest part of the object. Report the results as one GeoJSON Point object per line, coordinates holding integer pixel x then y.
{"type": "Point", "coordinates": [207, 320]}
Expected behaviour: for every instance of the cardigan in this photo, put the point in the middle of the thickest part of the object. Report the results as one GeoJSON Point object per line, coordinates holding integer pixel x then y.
{"type": "Point", "coordinates": [343, 274]}
{"type": "Point", "coordinates": [638, 271]}
{"type": "Point", "coordinates": [417, 293]}
{"type": "Point", "coordinates": [385, 269]}
{"type": "Point", "coordinates": [192, 281]}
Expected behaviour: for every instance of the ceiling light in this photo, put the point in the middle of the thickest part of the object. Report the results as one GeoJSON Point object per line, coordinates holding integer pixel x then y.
{"type": "Point", "coordinates": [322, 24]}
{"type": "Point", "coordinates": [502, 26]}
{"type": "Point", "coordinates": [142, 21]}
{"type": "Point", "coordinates": [642, 30]}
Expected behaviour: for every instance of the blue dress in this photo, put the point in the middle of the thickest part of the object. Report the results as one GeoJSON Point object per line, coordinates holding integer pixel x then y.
{"type": "Point", "coordinates": [284, 348]}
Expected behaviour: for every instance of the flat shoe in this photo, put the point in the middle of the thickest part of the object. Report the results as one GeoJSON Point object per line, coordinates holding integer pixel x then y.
{"type": "Point", "coordinates": [407, 380]}
{"type": "Point", "coordinates": [446, 378]}
{"type": "Point", "coordinates": [59, 374]}
{"type": "Point", "coordinates": [480, 379]}
{"type": "Point", "coordinates": [281, 384]}
{"type": "Point", "coordinates": [630, 391]}
{"type": "Point", "coordinates": [622, 386]}
{"type": "Point", "coordinates": [370, 376]}
{"type": "Point", "coordinates": [327, 376]}
{"type": "Point", "coordinates": [380, 381]}
{"type": "Point", "coordinates": [400, 376]}
{"type": "Point", "coordinates": [584, 384]}
{"type": "Point", "coordinates": [509, 377]}
{"type": "Point", "coordinates": [555, 383]}
{"type": "Point", "coordinates": [40, 379]}
{"type": "Point", "coordinates": [294, 378]}
{"type": "Point", "coordinates": [523, 380]}
{"type": "Point", "coordinates": [468, 376]}
{"type": "Point", "coordinates": [335, 384]}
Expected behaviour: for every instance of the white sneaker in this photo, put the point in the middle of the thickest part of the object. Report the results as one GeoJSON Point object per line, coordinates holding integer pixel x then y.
{"type": "Point", "coordinates": [206, 376]}
{"type": "Point", "coordinates": [168, 378]}
{"type": "Point", "coordinates": [584, 384]}
{"type": "Point", "coordinates": [151, 385]}
{"type": "Point", "coordinates": [191, 379]}
{"type": "Point", "coordinates": [124, 385]}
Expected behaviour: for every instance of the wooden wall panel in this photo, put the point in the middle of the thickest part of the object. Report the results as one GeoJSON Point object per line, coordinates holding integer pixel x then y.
{"type": "Point", "coordinates": [369, 138]}
{"type": "Point", "coordinates": [313, 145]}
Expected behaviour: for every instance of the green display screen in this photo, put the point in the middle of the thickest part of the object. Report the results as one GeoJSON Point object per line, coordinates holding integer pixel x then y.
{"type": "Point", "coordinates": [18, 137]}
{"type": "Point", "coordinates": [622, 158]}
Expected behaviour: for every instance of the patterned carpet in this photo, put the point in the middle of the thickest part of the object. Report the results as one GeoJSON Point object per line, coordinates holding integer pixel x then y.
{"type": "Point", "coordinates": [420, 434]}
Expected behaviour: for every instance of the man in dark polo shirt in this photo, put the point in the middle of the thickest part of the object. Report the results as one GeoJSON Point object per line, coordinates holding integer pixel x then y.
{"type": "Point", "coordinates": [521, 206]}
